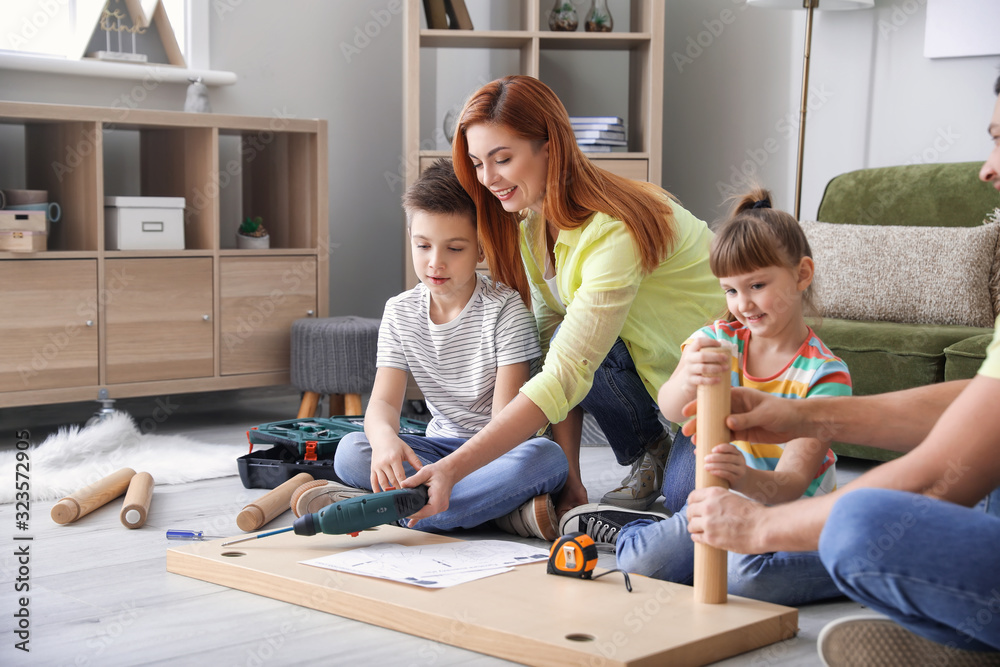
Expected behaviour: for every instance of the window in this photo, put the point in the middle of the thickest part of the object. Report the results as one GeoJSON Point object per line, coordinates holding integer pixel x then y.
{"type": "Point", "coordinates": [64, 28]}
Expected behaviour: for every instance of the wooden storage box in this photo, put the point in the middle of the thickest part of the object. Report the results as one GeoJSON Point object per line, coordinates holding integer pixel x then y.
{"type": "Point", "coordinates": [19, 240]}
{"type": "Point", "coordinates": [23, 231]}
{"type": "Point", "coordinates": [144, 223]}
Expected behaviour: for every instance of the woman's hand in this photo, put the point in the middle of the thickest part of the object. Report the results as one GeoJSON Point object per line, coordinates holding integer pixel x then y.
{"type": "Point", "coordinates": [439, 481]}
{"type": "Point", "coordinates": [726, 462]}
{"type": "Point", "coordinates": [388, 457]}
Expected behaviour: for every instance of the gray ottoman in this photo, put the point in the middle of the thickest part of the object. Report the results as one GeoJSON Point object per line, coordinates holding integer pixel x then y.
{"type": "Point", "coordinates": [335, 357]}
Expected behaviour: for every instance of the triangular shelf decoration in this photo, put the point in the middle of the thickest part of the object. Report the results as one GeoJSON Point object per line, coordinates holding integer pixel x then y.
{"type": "Point", "coordinates": [143, 13]}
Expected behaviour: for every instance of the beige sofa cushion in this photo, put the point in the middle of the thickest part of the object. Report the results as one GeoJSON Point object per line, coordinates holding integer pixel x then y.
{"type": "Point", "coordinates": [921, 275]}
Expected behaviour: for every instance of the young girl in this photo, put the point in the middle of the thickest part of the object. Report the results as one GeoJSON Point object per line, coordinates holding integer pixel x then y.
{"type": "Point", "coordinates": [765, 268]}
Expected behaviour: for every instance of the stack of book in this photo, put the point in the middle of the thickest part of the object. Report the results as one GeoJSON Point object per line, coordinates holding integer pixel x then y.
{"type": "Point", "coordinates": [598, 134]}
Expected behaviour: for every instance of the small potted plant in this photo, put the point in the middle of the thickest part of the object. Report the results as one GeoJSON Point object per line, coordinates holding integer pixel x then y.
{"type": "Point", "coordinates": [252, 235]}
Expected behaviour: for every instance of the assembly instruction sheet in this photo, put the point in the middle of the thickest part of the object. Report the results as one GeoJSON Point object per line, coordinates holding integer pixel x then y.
{"type": "Point", "coordinates": [433, 565]}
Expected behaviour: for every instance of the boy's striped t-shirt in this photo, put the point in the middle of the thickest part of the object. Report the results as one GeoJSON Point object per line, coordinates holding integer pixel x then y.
{"type": "Point", "coordinates": [455, 364]}
{"type": "Point", "coordinates": [813, 371]}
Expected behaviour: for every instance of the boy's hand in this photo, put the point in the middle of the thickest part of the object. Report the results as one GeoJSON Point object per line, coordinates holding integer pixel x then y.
{"type": "Point", "coordinates": [726, 462]}
{"type": "Point", "coordinates": [387, 463]}
{"type": "Point", "coordinates": [439, 484]}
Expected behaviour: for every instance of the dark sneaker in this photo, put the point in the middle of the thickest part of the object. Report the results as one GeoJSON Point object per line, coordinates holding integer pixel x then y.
{"type": "Point", "coordinates": [876, 641]}
{"type": "Point", "coordinates": [601, 522]}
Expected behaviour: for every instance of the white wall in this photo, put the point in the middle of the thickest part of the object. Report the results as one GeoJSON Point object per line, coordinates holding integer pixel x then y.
{"type": "Point", "coordinates": [875, 100]}
{"type": "Point", "coordinates": [291, 57]}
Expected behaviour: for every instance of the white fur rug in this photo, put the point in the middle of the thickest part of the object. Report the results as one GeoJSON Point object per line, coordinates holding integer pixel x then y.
{"type": "Point", "coordinates": [76, 457]}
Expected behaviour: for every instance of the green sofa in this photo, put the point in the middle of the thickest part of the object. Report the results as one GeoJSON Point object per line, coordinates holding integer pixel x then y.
{"type": "Point", "coordinates": [887, 355]}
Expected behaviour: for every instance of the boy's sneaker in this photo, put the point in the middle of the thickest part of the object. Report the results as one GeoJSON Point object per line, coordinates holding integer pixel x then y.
{"type": "Point", "coordinates": [641, 487]}
{"type": "Point", "coordinates": [535, 518]}
{"type": "Point", "coordinates": [876, 641]}
{"type": "Point", "coordinates": [315, 495]}
{"type": "Point", "coordinates": [603, 523]}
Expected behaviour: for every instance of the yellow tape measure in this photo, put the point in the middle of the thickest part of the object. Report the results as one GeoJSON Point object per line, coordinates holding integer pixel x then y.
{"type": "Point", "coordinates": [575, 555]}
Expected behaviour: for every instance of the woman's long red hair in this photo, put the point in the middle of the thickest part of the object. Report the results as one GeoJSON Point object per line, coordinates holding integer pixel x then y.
{"type": "Point", "coordinates": [575, 187]}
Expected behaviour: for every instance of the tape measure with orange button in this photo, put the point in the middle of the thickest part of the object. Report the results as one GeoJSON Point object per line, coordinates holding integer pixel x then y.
{"type": "Point", "coordinates": [575, 555]}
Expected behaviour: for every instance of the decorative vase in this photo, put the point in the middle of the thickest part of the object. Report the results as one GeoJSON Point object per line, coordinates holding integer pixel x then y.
{"type": "Point", "coordinates": [244, 242]}
{"type": "Point", "coordinates": [598, 19]}
{"type": "Point", "coordinates": [563, 17]}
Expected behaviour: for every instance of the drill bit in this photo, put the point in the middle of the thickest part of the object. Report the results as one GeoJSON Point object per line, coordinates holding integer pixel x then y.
{"type": "Point", "coordinates": [257, 537]}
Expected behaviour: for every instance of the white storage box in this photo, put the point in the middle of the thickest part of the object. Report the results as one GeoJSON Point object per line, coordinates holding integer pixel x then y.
{"type": "Point", "coordinates": [144, 223]}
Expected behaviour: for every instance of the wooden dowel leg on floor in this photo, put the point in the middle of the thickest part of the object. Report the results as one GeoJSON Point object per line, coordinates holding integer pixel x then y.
{"type": "Point", "coordinates": [337, 405]}
{"type": "Point", "coordinates": [710, 582]}
{"type": "Point", "coordinates": [307, 410]}
{"type": "Point", "coordinates": [352, 404]}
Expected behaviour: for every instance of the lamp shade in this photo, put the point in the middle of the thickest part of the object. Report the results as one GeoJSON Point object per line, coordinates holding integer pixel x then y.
{"type": "Point", "coordinates": [822, 4]}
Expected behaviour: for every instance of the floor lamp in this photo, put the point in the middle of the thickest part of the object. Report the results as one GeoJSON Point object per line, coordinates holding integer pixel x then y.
{"type": "Point", "coordinates": [809, 6]}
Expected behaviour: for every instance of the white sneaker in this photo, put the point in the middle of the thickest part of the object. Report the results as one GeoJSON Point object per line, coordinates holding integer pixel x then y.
{"type": "Point", "coordinates": [535, 518]}
{"type": "Point", "coordinates": [876, 641]}
{"type": "Point", "coordinates": [641, 487]}
{"type": "Point", "coordinates": [313, 496]}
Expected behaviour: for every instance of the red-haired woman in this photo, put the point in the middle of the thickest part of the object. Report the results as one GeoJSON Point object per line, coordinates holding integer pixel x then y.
{"type": "Point", "coordinates": [617, 266]}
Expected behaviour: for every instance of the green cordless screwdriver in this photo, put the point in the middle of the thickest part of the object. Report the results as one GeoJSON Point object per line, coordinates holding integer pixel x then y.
{"type": "Point", "coordinates": [353, 515]}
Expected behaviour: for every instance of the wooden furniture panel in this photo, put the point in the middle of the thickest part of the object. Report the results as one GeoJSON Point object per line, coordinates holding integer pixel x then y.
{"type": "Point", "coordinates": [184, 163]}
{"type": "Point", "coordinates": [49, 327]}
{"type": "Point", "coordinates": [280, 184]}
{"type": "Point", "coordinates": [158, 315]}
{"type": "Point", "coordinates": [637, 170]}
{"type": "Point", "coordinates": [64, 158]}
{"type": "Point", "coordinates": [526, 615]}
{"type": "Point", "coordinates": [260, 298]}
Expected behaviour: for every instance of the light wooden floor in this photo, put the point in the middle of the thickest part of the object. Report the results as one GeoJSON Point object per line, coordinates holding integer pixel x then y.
{"type": "Point", "coordinates": [100, 593]}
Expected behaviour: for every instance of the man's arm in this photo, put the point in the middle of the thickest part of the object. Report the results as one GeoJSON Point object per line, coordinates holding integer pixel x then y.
{"type": "Point", "coordinates": [898, 421]}
{"type": "Point", "coordinates": [957, 462]}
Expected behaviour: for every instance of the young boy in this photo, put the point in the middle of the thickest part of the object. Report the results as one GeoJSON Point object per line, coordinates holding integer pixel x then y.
{"type": "Point", "coordinates": [468, 343]}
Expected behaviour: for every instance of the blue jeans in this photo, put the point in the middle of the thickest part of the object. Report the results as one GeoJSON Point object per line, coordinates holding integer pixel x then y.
{"type": "Point", "coordinates": [534, 467]}
{"type": "Point", "coordinates": [622, 407]}
{"type": "Point", "coordinates": [929, 565]}
{"type": "Point", "coordinates": [664, 550]}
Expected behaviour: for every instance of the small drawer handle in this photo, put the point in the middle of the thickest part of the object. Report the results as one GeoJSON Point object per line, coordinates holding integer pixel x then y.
{"type": "Point", "coordinates": [206, 317]}
{"type": "Point", "coordinates": [152, 226]}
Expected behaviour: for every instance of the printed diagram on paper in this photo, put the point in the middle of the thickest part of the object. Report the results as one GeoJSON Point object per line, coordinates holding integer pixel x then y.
{"type": "Point", "coordinates": [434, 565]}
